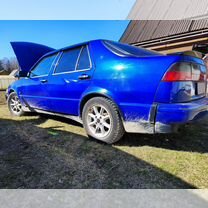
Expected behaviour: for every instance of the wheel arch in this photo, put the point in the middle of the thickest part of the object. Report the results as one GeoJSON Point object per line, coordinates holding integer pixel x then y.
{"type": "Point", "coordinates": [10, 91]}
{"type": "Point", "coordinates": [96, 94]}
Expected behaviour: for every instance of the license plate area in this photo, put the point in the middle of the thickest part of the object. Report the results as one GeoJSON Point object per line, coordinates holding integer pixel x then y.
{"type": "Point", "coordinates": [200, 88]}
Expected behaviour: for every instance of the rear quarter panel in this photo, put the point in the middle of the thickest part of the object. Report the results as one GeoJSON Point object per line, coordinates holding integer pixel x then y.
{"type": "Point", "coordinates": [181, 91]}
{"type": "Point", "coordinates": [131, 82]}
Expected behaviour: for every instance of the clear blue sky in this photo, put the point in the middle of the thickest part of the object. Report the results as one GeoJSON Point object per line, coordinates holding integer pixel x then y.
{"type": "Point", "coordinates": [57, 34]}
{"type": "Point", "coordinates": [65, 9]}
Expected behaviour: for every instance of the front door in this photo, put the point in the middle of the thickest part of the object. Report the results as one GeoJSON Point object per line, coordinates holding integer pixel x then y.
{"type": "Point", "coordinates": [35, 90]}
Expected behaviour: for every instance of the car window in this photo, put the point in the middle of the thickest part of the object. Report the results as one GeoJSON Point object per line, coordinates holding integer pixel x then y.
{"type": "Point", "coordinates": [127, 50]}
{"type": "Point", "coordinates": [68, 61]}
{"type": "Point", "coordinates": [84, 60]}
{"type": "Point", "coordinates": [43, 67]}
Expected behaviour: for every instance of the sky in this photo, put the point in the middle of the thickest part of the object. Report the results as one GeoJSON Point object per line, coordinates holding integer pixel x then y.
{"type": "Point", "coordinates": [61, 33]}
{"type": "Point", "coordinates": [65, 9]}
{"type": "Point", "coordinates": [57, 34]}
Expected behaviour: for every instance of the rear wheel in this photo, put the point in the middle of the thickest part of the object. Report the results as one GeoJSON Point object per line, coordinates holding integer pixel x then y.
{"type": "Point", "coordinates": [14, 104]}
{"type": "Point", "coordinates": [102, 121]}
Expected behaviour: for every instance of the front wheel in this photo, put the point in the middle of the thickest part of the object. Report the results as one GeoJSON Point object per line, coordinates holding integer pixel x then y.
{"type": "Point", "coordinates": [102, 121]}
{"type": "Point", "coordinates": [14, 105]}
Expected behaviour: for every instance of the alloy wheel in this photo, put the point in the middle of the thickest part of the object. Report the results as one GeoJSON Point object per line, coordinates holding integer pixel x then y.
{"type": "Point", "coordinates": [99, 121]}
{"type": "Point", "coordinates": [15, 105]}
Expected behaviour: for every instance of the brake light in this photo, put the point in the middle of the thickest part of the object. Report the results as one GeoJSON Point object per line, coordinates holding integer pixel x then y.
{"type": "Point", "coordinates": [185, 72]}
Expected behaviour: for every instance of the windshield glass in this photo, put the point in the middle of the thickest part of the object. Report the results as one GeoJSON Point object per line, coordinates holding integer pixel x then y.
{"type": "Point", "coordinates": [127, 50]}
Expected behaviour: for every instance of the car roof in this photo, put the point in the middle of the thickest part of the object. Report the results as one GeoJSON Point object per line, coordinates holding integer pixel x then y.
{"type": "Point", "coordinates": [72, 46]}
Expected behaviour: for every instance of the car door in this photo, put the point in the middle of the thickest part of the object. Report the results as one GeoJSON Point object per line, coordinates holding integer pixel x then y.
{"type": "Point", "coordinates": [35, 91]}
{"type": "Point", "coordinates": [70, 79]}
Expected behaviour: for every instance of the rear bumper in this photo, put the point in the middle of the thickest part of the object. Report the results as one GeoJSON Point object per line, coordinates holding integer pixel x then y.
{"type": "Point", "coordinates": [170, 116]}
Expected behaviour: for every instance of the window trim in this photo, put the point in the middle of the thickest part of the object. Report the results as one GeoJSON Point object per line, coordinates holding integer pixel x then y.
{"type": "Point", "coordinates": [52, 65]}
{"type": "Point", "coordinates": [74, 71]}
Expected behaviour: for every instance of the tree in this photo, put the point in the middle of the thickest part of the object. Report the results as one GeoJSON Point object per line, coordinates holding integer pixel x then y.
{"type": "Point", "coordinates": [1, 67]}
{"type": "Point", "coordinates": [13, 64]}
{"type": "Point", "coordinates": [5, 64]}
{"type": "Point", "coordinates": [8, 65]}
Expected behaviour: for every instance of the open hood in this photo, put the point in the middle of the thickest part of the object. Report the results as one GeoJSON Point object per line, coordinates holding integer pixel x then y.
{"type": "Point", "coordinates": [28, 54]}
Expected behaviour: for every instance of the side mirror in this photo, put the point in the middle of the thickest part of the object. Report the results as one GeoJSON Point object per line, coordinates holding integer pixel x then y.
{"type": "Point", "coordinates": [28, 74]}
{"type": "Point", "coordinates": [22, 74]}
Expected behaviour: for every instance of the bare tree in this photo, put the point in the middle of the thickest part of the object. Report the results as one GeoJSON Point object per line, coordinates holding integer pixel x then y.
{"type": "Point", "coordinates": [8, 65]}
{"type": "Point", "coordinates": [1, 67]}
{"type": "Point", "coordinates": [13, 64]}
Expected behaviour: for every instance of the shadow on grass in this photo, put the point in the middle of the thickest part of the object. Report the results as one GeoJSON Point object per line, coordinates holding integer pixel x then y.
{"type": "Point", "coordinates": [32, 157]}
{"type": "Point", "coordinates": [192, 138]}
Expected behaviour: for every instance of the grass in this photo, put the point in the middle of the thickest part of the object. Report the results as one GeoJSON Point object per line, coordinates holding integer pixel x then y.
{"type": "Point", "coordinates": [2, 97]}
{"type": "Point", "coordinates": [39, 151]}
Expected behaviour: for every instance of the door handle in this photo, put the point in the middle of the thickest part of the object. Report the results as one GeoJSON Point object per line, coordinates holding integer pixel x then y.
{"type": "Point", "coordinates": [44, 80]}
{"type": "Point", "coordinates": [84, 76]}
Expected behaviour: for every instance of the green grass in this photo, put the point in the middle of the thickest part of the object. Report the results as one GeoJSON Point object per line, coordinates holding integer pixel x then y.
{"type": "Point", "coordinates": [2, 97]}
{"type": "Point", "coordinates": [49, 152]}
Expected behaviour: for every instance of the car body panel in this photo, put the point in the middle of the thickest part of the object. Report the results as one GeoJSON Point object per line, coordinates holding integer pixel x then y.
{"type": "Point", "coordinates": [29, 53]}
{"type": "Point", "coordinates": [134, 84]}
{"type": "Point", "coordinates": [66, 89]}
{"type": "Point", "coordinates": [169, 115]}
{"type": "Point", "coordinates": [34, 92]}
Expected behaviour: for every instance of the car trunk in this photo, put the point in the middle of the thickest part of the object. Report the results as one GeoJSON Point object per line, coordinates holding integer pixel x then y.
{"type": "Point", "coordinates": [185, 80]}
{"type": "Point", "coordinates": [199, 73]}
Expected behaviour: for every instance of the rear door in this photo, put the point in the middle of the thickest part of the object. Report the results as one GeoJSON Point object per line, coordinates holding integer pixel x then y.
{"type": "Point", "coordinates": [70, 79]}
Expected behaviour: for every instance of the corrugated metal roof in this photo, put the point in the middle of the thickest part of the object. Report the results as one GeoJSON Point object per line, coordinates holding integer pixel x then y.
{"type": "Point", "coordinates": [180, 26]}
{"type": "Point", "coordinates": [168, 9]}
{"type": "Point", "coordinates": [145, 30]}
{"type": "Point", "coordinates": [129, 30]}
{"type": "Point", "coordinates": [197, 25]}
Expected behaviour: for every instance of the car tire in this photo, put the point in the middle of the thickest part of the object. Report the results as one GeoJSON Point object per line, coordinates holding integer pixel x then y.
{"type": "Point", "coordinates": [102, 121]}
{"type": "Point", "coordinates": [14, 105]}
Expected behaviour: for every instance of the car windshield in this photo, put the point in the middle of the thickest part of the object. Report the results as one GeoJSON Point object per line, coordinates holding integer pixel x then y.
{"type": "Point", "coordinates": [127, 50]}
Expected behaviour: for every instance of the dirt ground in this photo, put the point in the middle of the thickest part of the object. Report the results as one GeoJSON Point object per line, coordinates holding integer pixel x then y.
{"type": "Point", "coordinates": [40, 151]}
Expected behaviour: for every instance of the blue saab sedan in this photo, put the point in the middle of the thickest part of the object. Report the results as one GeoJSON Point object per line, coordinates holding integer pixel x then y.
{"type": "Point", "coordinates": [110, 87]}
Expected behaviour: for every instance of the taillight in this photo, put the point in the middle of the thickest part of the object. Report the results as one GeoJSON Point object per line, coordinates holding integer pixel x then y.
{"type": "Point", "coordinates": [185, 72]}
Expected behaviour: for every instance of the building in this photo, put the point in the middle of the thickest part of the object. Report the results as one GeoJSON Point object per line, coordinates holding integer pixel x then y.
{"type": "Point", "coordinates": [6, 80]}
{"type": "Point", "coordinates": [169, 10]}
{"type": "Point", "coordinates": [166, 36]}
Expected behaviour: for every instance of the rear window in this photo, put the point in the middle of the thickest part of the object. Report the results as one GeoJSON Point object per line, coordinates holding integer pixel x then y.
{"type": "Point", "coordinates": [127, 50]}
{"type": "Point", "coordinates": [68, 61]}
{"type": "Point", "coordinates": [84, 60]}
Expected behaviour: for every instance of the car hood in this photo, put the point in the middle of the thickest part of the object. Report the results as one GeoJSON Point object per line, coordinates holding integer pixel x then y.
{"type": "Point", "coordinates": [28, 54]}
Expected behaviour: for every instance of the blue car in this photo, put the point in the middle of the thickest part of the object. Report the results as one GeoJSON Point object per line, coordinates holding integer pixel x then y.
{"type": "Point", "coordinates": [110, 87]}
